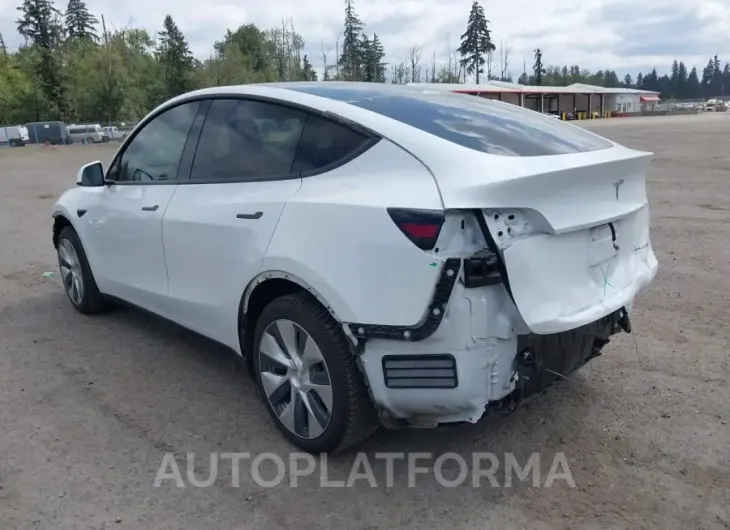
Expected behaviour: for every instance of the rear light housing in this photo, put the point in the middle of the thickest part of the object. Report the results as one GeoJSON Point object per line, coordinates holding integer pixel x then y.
{"type": "Point", "coordinates": [421, 227]}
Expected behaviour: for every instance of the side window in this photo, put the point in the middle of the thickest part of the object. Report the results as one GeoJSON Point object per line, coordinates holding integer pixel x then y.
{"type": "Point", "coordinates": [154, 153]}
{"type": "Point", "coordinates": [324, 142]}
{"type": "Point", "coordinates": [247, 140]}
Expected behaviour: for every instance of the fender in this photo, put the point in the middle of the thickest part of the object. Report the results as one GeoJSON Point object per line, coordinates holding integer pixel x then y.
{"type": "Point", "coordinates": [277, 274]}
{"type": "Point", "coordinates": [69, 212]}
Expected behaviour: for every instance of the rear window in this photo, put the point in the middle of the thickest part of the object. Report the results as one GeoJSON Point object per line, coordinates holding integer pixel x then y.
{"type": "Point", "coordinates": [470, 121]}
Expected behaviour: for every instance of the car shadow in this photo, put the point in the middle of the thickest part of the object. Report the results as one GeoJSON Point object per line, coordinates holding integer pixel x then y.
{"type": "Point", "coordinates": [206, 389]}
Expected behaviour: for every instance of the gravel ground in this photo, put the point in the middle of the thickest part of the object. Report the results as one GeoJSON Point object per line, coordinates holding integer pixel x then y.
{"type": "Point", "coordinates": [89, 406]}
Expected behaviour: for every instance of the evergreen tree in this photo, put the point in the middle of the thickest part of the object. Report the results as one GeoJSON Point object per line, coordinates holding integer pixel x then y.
{"type": "Point", "coordinates": [350, 59]}
{"type": "Point", "coordinates": [628, 82]}
{"type": "Point", "coordinates": [175, 57]}
{"type": "Point", "coordinates": [377, 55]}
{"type": "Point", "coordinates": [640, 81]}
{"type": "Point", "coordinates": [681, 84]}
{"type": "Point", "coordinates": [365, 53]}
{"type": "Point", "coordinates": [538, 68]}
{"type": "Point", "coordinates": [80, 23]}
{"type": "Point", "coordinates": [476, 41]}
{"type": "Point", "coordinates": [674, 79]}
{"type": "Point", "coordinates": [40, 24]}
{"type": "Point", "coordinates": [308, 73]}
{"type": "Point", "coordinates": [693, 85]}
{"type": "Point", "coordinates": [371, 58]}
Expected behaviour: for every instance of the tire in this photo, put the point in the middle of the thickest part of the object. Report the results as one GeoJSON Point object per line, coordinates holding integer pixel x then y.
{"type": "Point", "coordinates": [90, 301]}
{"type": "Point", "coordinates": [351, 416]}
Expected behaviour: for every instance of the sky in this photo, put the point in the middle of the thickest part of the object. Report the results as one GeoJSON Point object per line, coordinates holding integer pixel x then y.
{"type": "Point", "coordinates": [624, 35]}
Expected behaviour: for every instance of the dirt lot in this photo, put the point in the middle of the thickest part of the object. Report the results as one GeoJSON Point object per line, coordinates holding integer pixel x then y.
{"type": "Point", "coordinates": [89, 406]}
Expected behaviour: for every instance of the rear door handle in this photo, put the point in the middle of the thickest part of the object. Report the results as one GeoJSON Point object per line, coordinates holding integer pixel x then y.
{"type": "Point", "coordinates": [150, 208]}
{"type": "Point", "coordinates": [256, 215]}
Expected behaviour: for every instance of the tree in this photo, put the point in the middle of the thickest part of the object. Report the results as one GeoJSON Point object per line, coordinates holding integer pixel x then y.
{"type": "Point", "coordinates": [628, 82]}
{"type": "Point", "coordinates": [326, 48]}
{"type": "Point", "coordinates": [476, 41]}
{"type": "Point", "coordinates": [377, 54]}
{"type": "Point", "coordinates": [175, 58]}
{"type": "Point", "coordinates": [349, 61]}
{"type": "Point", "coordinates": [40, 25]}
{"type": "Point", "coordinates": [505, 50]}
{"type": "Point", "coordinates": [414, 59]}
{"type": "Point", "coordinates": [372, 54]}
{"type": "Point", "coordinates": [693, 85]}
{"type": "Point", "coordinates": [308, 73]}
{"type": "Point", "coordinates": [538, 68]}
{"type": "Point", "coordinates": [80, 23]}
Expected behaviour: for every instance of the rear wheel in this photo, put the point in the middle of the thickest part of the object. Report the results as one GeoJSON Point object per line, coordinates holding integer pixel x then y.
{"type": "Point", "coordinates": [307, 374]}
{"type": "Point", "coordinates": [78, 280]}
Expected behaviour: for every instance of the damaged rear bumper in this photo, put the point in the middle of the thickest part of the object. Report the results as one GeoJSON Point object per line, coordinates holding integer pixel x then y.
{"type": "Point", "coordinates": [429, 389]}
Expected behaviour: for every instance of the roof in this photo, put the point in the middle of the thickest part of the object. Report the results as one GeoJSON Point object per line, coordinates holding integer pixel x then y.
{"type": "Point", "coordinates": [505, 87]}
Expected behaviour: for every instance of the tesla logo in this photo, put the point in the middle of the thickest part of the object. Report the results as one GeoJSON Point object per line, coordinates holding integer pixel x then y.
{"type": "Point", "coordinates": [617, 185]}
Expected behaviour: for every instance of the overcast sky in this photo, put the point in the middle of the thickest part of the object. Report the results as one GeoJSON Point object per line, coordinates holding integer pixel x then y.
{"type": "Point", "coordinates": [624, 35]}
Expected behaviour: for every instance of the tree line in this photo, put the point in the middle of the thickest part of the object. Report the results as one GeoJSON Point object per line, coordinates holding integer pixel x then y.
{"type": "Point", "coordinates": [679, 84]}
{"type": "Point", "coordinates": [74, 68]}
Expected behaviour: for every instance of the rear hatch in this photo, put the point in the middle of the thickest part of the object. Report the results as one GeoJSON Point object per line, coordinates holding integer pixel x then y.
{"type": "Point", "coordinates": [572, 230]}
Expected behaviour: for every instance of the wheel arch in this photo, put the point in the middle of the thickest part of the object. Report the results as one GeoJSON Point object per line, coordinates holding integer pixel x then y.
{"type": "Point", "coordinates": [60, 221]}
{"type": "Point", "coordinates": [263, 289]}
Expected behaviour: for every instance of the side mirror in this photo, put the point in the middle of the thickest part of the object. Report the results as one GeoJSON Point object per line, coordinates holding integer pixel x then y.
{"type": "Point", "coordinates": [91, 175]}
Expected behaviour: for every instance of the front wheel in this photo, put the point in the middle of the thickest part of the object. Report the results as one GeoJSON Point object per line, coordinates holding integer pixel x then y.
{"type": "Point", "coordinates": [308, 376]}
{"type": "Point", "coordinates": [78, 280]}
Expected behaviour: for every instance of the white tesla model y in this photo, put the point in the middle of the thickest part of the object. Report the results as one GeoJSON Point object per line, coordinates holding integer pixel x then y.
{"type": "Point", "coordinates": [380, 254]}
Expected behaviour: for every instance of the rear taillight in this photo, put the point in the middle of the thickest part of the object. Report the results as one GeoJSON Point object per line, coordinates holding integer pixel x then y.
{"type": "Point", "coordinates": [422, 227]}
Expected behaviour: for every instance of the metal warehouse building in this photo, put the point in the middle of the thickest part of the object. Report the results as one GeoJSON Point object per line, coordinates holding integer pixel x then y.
{"type": "Point", "coordinates": [579, 100]}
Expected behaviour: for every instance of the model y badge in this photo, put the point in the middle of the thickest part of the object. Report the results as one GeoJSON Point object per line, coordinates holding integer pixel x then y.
{"type": "Point", "coordinates": [617, 185]}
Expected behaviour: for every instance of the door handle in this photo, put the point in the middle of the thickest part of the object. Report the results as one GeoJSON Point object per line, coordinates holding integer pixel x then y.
{"type": "Point", "coordinates": [256, 215]}
{"type": "Point", "coordinates": [150, 208]}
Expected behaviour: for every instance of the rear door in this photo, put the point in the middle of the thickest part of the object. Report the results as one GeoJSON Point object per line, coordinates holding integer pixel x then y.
{"type": "Point", "coordinates": [219, 224]}
{"type": "Point", "coordinates": [248, 164]}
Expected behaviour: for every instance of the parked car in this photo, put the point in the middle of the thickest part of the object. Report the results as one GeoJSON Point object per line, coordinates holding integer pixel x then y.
{"type": "Point", "coordinates": [112, 133]}
{"type": "Point", "coordinates": [390, 255]}
{"type": "Point", "coordinates": [52, 132]}
{"type": "Point", "coordinates": [13, 135]}
{"type": "Point", "coordinates": [90, 133]}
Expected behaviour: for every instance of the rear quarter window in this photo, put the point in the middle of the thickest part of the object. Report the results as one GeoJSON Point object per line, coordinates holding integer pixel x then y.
{"type": "Point", "coordinates": [324, 143]}
{"type": "Point", "coordinates": [470, 121]}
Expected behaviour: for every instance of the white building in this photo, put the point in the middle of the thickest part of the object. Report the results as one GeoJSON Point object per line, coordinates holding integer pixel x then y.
{"type": "Point", "coordinates": [559, 99]}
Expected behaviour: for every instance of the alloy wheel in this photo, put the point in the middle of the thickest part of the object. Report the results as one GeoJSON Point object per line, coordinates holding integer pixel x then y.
{"type": "Point", "coordinates": [71, 274]}
{"type": "Point", "coordinates": [295, 379]}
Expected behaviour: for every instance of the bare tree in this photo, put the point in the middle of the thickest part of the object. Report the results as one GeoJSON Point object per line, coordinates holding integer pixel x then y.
{"type": "Point", "coordinates": [433, 68]}
{"type": "Point", "coordinates": [505, 50]}
{"type": "Point", "coordinates": [326, 48]}
{"type": "Point", "coordinates": [337, 56]}
{"type": "Point", "coordinates": [490, 64]}
{"type": "Point", "coordinates": [399, 73]}
{"type": "Point", "coordinates": [414, 58]}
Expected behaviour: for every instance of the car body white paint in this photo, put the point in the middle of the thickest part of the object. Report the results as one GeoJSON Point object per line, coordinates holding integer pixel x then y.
{"type": "Point", "coordinates": [194, 262]}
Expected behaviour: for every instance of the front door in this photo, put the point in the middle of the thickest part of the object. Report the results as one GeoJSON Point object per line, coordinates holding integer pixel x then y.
{"type": "Point", "coordinates": [126, 223]}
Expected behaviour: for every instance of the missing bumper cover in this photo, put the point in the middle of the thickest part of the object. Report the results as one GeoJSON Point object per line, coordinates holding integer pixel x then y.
{"type": "Point", "coordinates": [429, 324]}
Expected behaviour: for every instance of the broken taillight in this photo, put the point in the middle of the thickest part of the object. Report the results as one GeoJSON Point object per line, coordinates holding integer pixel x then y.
{"type": "Point", "coordinates": [422, 227]}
